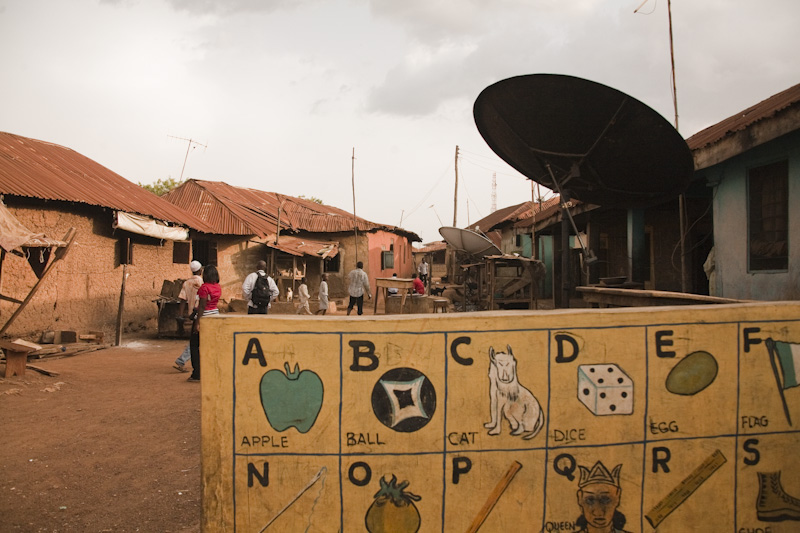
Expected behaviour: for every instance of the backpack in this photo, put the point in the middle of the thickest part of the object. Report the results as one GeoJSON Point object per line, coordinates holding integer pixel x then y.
{"type": "Point", "coordinates": [260, 296]}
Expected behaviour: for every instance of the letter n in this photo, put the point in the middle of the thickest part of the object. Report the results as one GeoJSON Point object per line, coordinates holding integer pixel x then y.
{"type": "Point", "coordinates": [263, 476]}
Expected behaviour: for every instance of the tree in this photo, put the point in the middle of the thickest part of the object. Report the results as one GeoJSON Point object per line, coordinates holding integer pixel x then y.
{"type": "Point", "coordinates": [161, 187]}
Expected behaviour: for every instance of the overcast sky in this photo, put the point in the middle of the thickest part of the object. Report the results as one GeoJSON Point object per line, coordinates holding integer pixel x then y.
{"type": "Point", "coordinates": [282, 91]}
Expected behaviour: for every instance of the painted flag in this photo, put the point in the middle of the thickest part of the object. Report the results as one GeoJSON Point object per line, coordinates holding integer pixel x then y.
{"type": "Point", "coordinates": [786, 356]}
{"type": "Point", "coordinates": [789, 359]}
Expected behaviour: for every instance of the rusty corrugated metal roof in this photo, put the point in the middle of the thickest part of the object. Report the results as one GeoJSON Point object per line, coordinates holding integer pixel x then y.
{"type": "Point", "coordinates": [36, 169]}
{"type": "Point", "coordinates": [742, 120]}
{"type": "Point", "coordinates": [430, 247]}
{"type": "Point", "coordinates": [233, 210]}
{"type": "Point", "coordinates": [514, 213]}
{"type": "Point", "coordinates": [302, 246]}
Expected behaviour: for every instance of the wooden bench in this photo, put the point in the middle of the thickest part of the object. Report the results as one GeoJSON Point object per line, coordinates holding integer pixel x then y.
{"type": "Point", "coordinates": [17, 356]}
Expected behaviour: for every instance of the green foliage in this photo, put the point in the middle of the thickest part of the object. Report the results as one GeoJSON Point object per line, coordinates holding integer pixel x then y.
{"type": "Point", "coordinates": [310, 198]}
{"type": "Point", "coordinates": [161, 187]}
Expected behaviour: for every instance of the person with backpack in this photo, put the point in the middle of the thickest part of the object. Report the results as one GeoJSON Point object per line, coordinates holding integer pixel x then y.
{"type": "Point", "coordinates": [259, 290]}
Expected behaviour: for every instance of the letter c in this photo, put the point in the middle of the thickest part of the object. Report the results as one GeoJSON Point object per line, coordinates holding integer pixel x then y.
{"type": "Point", "coordinates": [466, 361]}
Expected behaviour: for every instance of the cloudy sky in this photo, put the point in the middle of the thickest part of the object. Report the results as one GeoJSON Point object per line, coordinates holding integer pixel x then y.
{"type": "Point", "coordinates": [281, 92]}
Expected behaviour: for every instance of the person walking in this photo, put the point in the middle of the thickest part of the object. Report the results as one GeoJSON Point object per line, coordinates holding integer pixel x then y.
{"type": "Point", "coordinates": [358, 283]}
{"type": "Point", "coordinates": [188, 309]}
{"type": "Point", "coordinates": [302, 293]}
{"type": "Point", "coordinates": [423, 271]}
{"type": "Point", "coordinates": [323, 295]}
{"type": "Point", "coordinates": [259, 290]}
{"type": "Point", "coordinates": [208, 294]}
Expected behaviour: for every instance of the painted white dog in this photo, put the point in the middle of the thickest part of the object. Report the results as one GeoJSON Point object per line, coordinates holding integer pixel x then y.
{"type": "Point", "coordinates": [509, 398]}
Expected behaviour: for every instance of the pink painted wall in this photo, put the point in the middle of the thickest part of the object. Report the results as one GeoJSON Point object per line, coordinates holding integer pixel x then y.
{"type": "Point", "coordinates": [382, 241]}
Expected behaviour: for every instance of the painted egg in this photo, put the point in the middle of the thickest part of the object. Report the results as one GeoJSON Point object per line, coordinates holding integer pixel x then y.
{"type": "Point", "coordinates": [692, 374]}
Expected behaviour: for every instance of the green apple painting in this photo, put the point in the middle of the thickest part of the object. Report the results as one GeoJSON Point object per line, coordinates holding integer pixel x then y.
{"type": "Point", "coordinates": [291, 399]}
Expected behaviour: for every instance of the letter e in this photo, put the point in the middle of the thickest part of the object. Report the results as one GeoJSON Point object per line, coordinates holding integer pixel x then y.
{"type": "Point", "coordinates": [661, 342]}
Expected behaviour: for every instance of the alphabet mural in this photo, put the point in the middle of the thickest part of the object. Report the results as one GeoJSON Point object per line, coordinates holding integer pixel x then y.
{"type": "Point", "coordinates": [590, 420]}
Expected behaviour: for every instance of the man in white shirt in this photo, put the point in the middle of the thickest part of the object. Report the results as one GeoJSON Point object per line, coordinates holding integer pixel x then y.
{"type": "Point", "coordinates": [423, 271]}
{"type": "Point", "coordinates": [358, 284]}
{"type": "Point", "coordinates": [249, 288]}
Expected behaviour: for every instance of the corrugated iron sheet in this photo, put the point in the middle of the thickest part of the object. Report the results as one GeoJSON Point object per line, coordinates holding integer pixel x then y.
{"type": "Point", "coordinates": [515, 214]}
{"type": "Point", "coordinates": [37, 169]}
{"type": "Point", "coordinates": [301, 246]}
{"type": "Point", "coordinates": [233, 210]}
{"type": "Point", "coordinates": [740, 121]}
{"type": "Point", "coordinates": [431, 247]}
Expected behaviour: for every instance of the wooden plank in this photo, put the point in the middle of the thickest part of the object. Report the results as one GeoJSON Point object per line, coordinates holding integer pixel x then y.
{"type": "Point", "coordinates": [19, 345]}
{"type": "Point", "coordinates": [42, 370]}
{"type": "Point", "coordinates": [639, 297]}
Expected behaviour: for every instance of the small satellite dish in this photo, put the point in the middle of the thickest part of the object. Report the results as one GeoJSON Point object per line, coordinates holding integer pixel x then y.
{"type": "Point", "coordinates": [579, 137]}
{"type": "Point", "coordinates": [468, 241]}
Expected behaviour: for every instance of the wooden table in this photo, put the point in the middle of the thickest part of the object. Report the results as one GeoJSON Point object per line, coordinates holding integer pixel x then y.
{"type": "Point", "coordinates": [404, 285]}
{"type": "Point", "coordinates": [608, 296]}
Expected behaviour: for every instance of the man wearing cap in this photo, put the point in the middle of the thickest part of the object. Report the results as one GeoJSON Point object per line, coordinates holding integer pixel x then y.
{"type": "Point", "coordinates": [187, 309]}
{"type": "Point", "coordinates": [598, 497]}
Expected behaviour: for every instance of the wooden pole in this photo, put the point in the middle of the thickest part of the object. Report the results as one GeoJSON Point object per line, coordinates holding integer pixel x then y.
{"type": "Point", "coordinates": [682, 198]}
{"type": "Point", "coordinates": [118, 339]}
{"type": "Point", "coordinates": [353, 182]}
{"type": "Point", "coordinates": [278, 231]}
{"type": "Point", "coordinates": [455, 194]}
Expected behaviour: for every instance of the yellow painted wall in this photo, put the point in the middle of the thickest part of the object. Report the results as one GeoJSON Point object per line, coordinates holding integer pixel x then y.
{"type": "Point", "coordinates": [698, 448]}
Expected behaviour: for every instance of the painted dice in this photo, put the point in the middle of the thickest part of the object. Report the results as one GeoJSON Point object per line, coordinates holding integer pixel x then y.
{"type": "Point", "coordinates": [605, 389]}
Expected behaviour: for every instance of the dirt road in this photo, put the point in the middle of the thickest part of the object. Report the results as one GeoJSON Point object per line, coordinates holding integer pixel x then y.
{"type": "Point", "coordinates": [110, 444]}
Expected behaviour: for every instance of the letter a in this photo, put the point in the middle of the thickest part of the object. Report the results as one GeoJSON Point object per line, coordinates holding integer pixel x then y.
{"type": "Point", "coordinates": [254, 351]}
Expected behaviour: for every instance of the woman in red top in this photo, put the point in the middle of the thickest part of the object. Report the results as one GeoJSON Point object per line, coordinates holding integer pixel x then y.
{"type": "Point", "coordinates": [419, 287]}
{"type": "Point", "coordinates": [208, 295]}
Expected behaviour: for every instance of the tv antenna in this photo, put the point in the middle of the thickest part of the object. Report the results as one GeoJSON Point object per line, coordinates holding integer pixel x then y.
{"type": "Point", "coordinates": [192, 144]}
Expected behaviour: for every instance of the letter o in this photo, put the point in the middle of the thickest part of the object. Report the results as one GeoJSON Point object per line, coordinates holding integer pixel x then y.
{"type": "Point", "coordinates": [367, 474]}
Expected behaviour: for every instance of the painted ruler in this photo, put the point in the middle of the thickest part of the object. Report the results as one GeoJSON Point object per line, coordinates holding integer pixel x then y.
{"type": "Point", "coordinates": [685, 488]}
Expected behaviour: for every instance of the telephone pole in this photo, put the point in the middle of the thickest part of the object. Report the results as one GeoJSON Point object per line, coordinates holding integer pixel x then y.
{"type": "Point", "coordinates": [455, 195]}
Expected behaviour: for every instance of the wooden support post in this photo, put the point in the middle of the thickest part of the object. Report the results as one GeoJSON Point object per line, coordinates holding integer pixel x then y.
{"type": "Point", "coordinates": [118, 340]}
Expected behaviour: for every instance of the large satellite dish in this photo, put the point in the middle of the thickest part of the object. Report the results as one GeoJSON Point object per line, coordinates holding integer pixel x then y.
{"type": "Point", "coordinates": [593, 142]}
{"type": "Point", "coordinates": [468, 241]}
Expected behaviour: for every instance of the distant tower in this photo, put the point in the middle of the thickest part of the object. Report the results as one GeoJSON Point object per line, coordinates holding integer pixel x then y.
{"type": "Point", "coordinates": [494, 192]}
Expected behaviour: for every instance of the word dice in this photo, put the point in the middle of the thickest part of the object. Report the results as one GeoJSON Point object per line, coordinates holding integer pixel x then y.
{"type": "Point", "coordinates": [605, 389]}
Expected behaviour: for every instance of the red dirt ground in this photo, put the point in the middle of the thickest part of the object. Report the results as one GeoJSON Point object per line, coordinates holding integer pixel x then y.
{"type": "Point", "coordinates": [110, 444]}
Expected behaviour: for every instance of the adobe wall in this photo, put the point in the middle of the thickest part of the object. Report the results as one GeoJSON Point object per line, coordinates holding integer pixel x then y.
{"type": "Point", "coordinates": [381, 241]}
{"type": "Point", "coordinates": [236, 258]}
{"type": "Point", "coordinates": [82, 292]}
{"type": "Point", "coordinates": [668, 419]}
